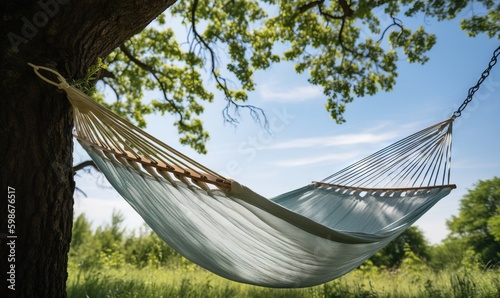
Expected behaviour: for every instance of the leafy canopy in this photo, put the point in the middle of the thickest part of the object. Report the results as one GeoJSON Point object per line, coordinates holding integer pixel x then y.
{"type": "Point", "coordinates": [393, 255]}
{"type": "Point", "coordinates": [348, 48]}
{"type": "Point", "coordinates": [478, 221]}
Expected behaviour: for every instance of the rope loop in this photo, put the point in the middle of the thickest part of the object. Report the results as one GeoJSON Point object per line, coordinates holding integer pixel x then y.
{"type": "Point", "coordinates": [62, 81]}
{"type": "Point", "coordinates": [473, 89]}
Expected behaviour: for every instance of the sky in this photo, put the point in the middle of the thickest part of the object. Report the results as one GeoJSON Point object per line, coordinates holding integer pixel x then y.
{"type": "Point", "coordinates": [305, 145]}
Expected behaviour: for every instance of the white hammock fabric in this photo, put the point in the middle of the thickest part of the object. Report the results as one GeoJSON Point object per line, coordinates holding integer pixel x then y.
{"type": "Point", "coordinates": [305, 237]}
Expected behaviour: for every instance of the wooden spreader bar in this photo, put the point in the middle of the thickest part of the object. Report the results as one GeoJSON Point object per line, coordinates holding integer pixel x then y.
{"type": "Point", "coordinates": [452, 186]}
{"type": "Point", "coordinates": [195, 176]}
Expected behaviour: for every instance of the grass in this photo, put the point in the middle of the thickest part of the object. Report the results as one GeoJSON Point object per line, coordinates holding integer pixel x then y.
{"type": "Point", "coordinates": [164, 282]}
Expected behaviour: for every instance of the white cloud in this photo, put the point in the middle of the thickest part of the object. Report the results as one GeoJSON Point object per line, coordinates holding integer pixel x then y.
{"type": "Point", "coordinates": [351, 146]}
{"type": "Point", "coordinates": [294, 94]}
{"type": "Point", "coordinates": [474, 165]}
{"type": "Point", "coordinates": [316, 159]}
{"type": "Point", "coordinates": [333, 141]}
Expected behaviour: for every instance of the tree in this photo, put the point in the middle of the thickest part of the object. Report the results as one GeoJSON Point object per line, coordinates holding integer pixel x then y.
{"type": "Point", "coordinates": [477, 221]}
{"type": "Point", "coordinates": [81, 231]}
{"type": "Point", "coordinates": [110, 236]}
{"type": "Point", "coordinates": [393, 254]}
{"type": "Point", "coordinates": [78, 38]}
{"type": "Point", "coordinates": [36, 155]}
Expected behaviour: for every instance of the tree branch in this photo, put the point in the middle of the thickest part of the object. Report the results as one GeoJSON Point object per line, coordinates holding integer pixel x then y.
{"type": "Point", "coordinates": [341, 41]}
{"type": "Point", "coordinates": [346, 7]}
{"type": "Point", "coordinates": [87, 163]}
{"type": "Point", "coordinates": [221, 82]}
{"type": "Point", "coordinates": [138, 62]}
{"type": "Point", "coordinates": [347, 12]}
{"type": "Point", "coordinates": [310, 5]}
{"type": "Point", "coordinates": [154, 73]}
{"type": "Point", "coordinates": [117, 95]}
{"type": "Point", "coordinates": [104, 73]}
{"type": "Point", "coordinates": [255, 112]}
{"type": "Point", "coordinates": [395, 22]}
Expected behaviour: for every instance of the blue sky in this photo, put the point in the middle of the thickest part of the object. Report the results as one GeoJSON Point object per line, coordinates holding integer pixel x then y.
{"type": "Point", "coordinates": [306, 145]}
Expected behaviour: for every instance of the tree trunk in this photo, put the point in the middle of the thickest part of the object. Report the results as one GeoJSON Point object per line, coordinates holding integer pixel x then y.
{"type": "Point", "coordinates": [36, 209]}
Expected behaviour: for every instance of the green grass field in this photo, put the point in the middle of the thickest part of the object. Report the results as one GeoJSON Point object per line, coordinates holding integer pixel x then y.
{"type": "Point", "coordinates": [196, 282]}
{"type": "Point", "coordinates": [109, 262]}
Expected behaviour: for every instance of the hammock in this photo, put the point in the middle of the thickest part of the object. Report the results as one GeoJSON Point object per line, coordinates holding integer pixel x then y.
{"type": "Point", "coordinates": [304, 237]}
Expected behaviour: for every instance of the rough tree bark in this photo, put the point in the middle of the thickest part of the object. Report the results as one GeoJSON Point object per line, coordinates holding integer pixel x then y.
{"type": "Point", "coordinates": [36, 127]}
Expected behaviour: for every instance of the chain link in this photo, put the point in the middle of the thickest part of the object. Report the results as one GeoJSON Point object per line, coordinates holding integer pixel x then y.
{"type": "Point", "coordinates": [473, 90]}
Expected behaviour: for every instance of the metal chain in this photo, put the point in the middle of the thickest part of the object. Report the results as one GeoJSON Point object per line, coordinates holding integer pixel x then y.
{"type": "Point", "coordinates": [473, 90]}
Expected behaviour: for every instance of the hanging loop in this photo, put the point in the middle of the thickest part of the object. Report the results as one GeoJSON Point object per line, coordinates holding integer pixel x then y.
{"type": "Point", "coordinates": [62, 81]}
{"type": "Point", "coordinates": [473, 89]}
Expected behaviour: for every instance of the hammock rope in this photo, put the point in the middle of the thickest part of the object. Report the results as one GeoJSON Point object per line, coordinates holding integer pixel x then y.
{"type": "Point", "coordinates": [419, 160]}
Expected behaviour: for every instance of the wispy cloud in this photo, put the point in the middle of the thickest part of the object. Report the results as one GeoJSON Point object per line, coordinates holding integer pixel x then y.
{"type": "Point", "coordinates": [474, 165]}
{"type": "Point", "coordinates": [294, 94]}
{"type": "Point", "coordinates": [350, 146]}
{"type": "Point", "coordinates": [316, 159]}
{"type": "Point", "coordinates": [333, 141]}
